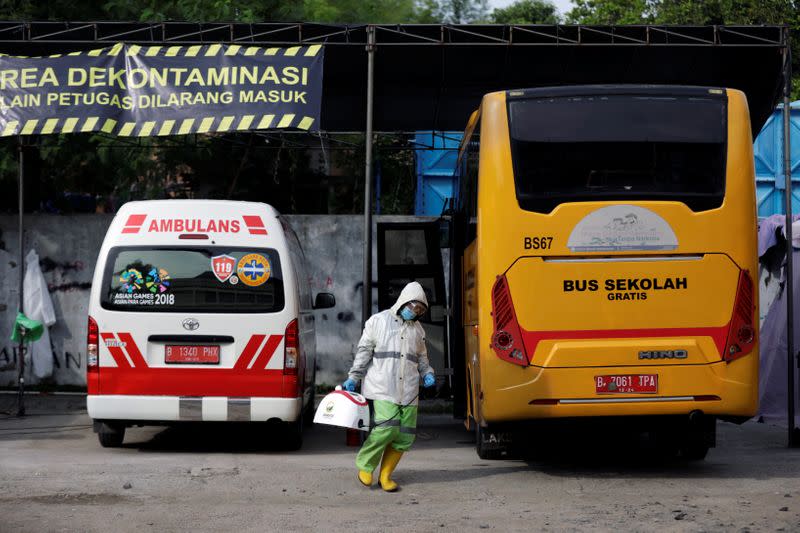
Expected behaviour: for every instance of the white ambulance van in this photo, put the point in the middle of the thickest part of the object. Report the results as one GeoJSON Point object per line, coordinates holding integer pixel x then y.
{"type": "Point", "coordinates": [201, 310]}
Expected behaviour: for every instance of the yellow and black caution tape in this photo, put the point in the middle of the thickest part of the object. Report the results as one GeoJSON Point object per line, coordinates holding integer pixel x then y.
{"type": "Point", "coordinates": [157, 128]}
{"type": "Point", "coordinates": [206, 50]}
{"type": "Point", "coordinates": [204, 121]}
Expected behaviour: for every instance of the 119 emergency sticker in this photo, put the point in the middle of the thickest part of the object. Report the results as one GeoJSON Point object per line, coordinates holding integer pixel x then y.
{"type": "Point", "coordinates": [222, 266]}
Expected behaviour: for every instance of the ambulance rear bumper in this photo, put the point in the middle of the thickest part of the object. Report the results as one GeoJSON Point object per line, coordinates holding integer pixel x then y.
{"type": "Point", "coordinates": [192, 408]}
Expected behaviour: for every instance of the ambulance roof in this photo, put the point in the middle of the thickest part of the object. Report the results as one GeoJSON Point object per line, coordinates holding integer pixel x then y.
{"type": "Point", "coordinates": [196, 223]}
{"type": "Point", "coordinates": [219, 206]}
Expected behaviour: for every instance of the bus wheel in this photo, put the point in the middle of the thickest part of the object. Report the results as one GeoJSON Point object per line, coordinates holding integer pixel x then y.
{"type": "Point", "coordinates": [485, 449]}
{"type": "Point", "coordinates": [111, 436]}
{"type": "Point", "coordinates": [695, 451]}
{"type": "Point", "coordinates": [700, 435]}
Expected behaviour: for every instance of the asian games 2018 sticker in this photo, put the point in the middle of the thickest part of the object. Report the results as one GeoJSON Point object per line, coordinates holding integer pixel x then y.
{"type": "Point", "coordinates": [157, 280]}
{"type": "Point", "coordinates": [253, 270]}
{"type": "Point", "coordinates": [132, 280]}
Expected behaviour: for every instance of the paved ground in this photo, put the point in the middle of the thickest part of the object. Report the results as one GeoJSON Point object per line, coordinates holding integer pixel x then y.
{"type": "Point", "coordinates": [54, 476]}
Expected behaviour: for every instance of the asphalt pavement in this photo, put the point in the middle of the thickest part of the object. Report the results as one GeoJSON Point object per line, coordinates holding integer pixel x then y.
{"type": "Point", "coordinates": [54, 476]}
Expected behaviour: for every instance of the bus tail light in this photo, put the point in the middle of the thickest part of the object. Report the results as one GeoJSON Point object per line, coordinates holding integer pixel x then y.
{"type": "Point", "coordinates": [92, 357]}
{"type": "Point", "coordinates": [291, 349]}
{"type": "Point", "coordinates": [507, 337]}
{"type": "Point", "coordinates": [742, 332]}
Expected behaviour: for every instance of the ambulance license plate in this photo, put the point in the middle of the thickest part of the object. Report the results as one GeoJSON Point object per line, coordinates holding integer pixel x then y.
{"type": "Point", "coordinates": [179, 353]}
{"type": "Point", "coordinates": [626, 384]}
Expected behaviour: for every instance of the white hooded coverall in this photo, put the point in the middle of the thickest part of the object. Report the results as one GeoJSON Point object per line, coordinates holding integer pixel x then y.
{"type": "Point", "coordinates": [391, 354]}
{"type": "Point", "coordinates": [390, 359]}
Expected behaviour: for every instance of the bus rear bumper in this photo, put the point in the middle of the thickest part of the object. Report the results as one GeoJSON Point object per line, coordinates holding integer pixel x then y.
{"type": "Point", "coordinates": [192, 408]}
{"type": "Point", "coordinates": [571, 392]}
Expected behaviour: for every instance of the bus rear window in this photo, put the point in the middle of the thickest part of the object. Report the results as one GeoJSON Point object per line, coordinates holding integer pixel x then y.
{"type": "Point", "coordinates": [193, 280]}
{"type": "Point", "coordinates": [618, 148]}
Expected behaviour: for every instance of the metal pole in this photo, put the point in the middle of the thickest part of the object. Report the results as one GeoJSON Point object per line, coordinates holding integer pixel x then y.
{"type": "Point", "coordinates": [21, 349]}
{"type": "Point", "coordinates": [366, 309]}
{"type": "Point", "coordinates": [787, 172]}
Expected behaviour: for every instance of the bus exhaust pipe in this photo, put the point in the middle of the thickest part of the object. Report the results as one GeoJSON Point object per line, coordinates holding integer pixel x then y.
{"type": "Point", "coordinates": [696, 417]}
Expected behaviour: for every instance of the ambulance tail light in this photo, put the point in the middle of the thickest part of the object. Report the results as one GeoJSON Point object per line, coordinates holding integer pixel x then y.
{"type": "Point", "coordinates": [742, 332]}
{"type": "Point", "coordinates": [92, 347]}
{"type": "Point", "coordinates": [291, 349]}
{"type": "Point", "coordinates": [92, 357]}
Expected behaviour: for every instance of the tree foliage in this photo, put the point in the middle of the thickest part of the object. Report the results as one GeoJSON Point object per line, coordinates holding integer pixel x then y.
{"type": "Point", "coordinates": [344, 11]}
{"type": "Point", "coordinates": [527, 12]}
{"type": "Point", "coordinates": [358, 11]}
{"type": "Point", "coordinates": [451, 11]}
{"type": "Point", "coordinates": [726, 12]}
{"type": "Point", "coordinates": [609, 12]}
{"type": "Point", "coordinates": [702, 12]}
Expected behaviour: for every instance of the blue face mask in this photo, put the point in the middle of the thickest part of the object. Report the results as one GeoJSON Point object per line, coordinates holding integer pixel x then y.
{"type": "Point", "coordinates": [408, 314]}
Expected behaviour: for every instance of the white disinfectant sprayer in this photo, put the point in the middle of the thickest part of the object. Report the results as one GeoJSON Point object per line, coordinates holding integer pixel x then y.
{"type": "Point", "coordinates": [344, 409]}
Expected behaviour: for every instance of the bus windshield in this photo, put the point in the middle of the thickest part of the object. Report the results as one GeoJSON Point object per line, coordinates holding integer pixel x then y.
{"type": "Point", "coordinates": [618, 148]}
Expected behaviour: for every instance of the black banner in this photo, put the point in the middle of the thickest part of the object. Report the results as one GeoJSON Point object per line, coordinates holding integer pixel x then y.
{"type": "Point", "coordinates": [132, 90]}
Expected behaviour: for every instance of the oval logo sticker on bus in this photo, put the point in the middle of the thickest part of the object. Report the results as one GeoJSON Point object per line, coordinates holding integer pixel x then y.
{"type": "Point", "coordinates": [619, 228]}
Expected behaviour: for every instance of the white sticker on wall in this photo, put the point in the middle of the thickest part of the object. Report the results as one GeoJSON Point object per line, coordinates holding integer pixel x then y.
{"type": "Point", "coordinates": [622, 228]}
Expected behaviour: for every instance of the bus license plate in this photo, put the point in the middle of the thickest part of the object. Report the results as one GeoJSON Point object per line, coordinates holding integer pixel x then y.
{"type": "Point", "coordinates": [177, 353]}
{"type": "Point", "coordinates": [626, 384]}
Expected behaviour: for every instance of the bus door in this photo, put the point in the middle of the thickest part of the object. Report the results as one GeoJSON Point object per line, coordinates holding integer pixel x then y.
{"type": "Point", "coordinates": [411, 251]}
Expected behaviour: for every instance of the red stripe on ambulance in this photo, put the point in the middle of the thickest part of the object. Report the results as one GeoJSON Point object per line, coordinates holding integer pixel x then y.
{"type": "Point", "coordinates": [254, 224]}
{"type": "Point", "coordinates": [248, 377]}
{"type": "Point", "coordinates": [246, 361]}
{"type": "Point", "coordinates": [133, 350]}
{"type": "Point", "coordinates": [115, 349]}
{"type": "Point", "coordinates": [197, 382]}
{"type": "Point", "coordinates": [249, 351]}
{"type": "Point", "coordinates": [134, 224]}
{"type": "Point", "coordinates": [267, 352]}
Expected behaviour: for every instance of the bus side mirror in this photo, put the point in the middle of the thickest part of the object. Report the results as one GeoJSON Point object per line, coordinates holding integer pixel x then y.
{"type": "Point", "coordinates": [324, 300]}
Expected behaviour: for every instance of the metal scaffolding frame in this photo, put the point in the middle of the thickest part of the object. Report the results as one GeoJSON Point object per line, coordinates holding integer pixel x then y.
{"type": "Point", "coordinates": [793, 359]}
{"type": "Point", "coordinates": [439, 71]}
{"type": "Point", "coordinates": [492, 44]}
{"type": "Point", "coordinates": [277, 33]}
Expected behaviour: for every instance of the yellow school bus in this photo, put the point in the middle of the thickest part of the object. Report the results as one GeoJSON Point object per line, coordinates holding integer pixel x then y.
{"type": "Point", "coordinates": [606, 242]}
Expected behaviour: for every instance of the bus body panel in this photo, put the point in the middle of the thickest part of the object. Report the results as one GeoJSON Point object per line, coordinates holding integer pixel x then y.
{"type": "Point", "coordinates": [592, 300]}
{"type": "Point", "coordinates": [471, 331]}
{"type": "Point", "coordinates": [712, 248]}
{"type": "Point", "coordinates": [682, 389]}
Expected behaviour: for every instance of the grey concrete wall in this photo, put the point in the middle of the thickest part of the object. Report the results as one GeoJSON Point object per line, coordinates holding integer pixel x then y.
{"type": "Point", "coordinates": [334, 252]}
{"type": "Point", "coordinates": [68, 247]}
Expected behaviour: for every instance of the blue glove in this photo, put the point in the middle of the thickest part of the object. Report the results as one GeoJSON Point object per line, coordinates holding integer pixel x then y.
{"type": "Point", "coordinates": [428, 380]}
{"type": "Point", "coordinates": [349, 385]}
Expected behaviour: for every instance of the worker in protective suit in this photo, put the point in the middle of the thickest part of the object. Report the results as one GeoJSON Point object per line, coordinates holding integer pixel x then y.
{"type": "Point", "coordinates": [391, 359]}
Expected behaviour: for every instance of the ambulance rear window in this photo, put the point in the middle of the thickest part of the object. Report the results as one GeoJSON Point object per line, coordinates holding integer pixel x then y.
{"type": "Point", "coordinates": [193, 279]}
